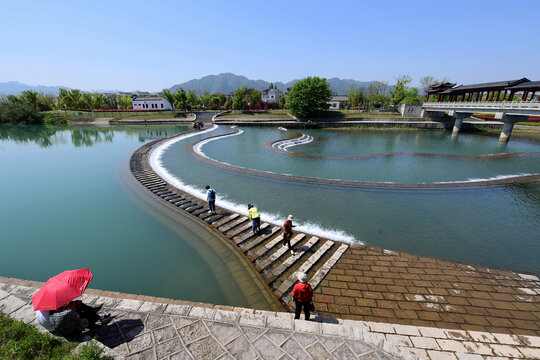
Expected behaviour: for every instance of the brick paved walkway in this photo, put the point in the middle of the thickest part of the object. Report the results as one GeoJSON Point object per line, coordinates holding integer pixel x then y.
{"type": "Point", "coordinates": [157, 328]}
{"type": "Point", "coordinates": [152, 330]}
{"type": "Point", "coordinates": [374, 284]}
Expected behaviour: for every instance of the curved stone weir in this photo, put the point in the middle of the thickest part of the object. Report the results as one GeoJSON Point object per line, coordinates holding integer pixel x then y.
{"type": "Point", "coordinates": [272, 261]}
{"type": "Point", "coordinates": [518, 179]}
{"type": "Point", "coordinates": [362, 282]}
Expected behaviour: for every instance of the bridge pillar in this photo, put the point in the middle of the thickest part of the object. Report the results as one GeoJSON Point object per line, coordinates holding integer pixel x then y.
{"type": "Point", "coordinates": [509, 121]}
{"type": "Point", "coordinates": [458, 121]}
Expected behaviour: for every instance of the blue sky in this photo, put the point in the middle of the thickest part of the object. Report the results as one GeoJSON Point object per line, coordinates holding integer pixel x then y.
{"type": "Point", "coordinates": [150, 45]}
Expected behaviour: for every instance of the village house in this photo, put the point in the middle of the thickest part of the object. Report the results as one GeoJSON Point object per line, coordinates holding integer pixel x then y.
{"type": "Point", "coordinates": [337, 102]}
{"type": "Point", "coordinates": [150, 102]}
{"type": "Point", "coordinates": [271, 96]}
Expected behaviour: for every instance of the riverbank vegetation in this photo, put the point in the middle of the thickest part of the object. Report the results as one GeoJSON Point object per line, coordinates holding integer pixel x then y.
{"type": "Point", "coordinates": [22, 341]}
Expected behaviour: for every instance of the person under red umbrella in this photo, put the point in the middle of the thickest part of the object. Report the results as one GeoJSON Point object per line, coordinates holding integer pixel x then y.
{"type": "Point", "coordinates": [55, 309]}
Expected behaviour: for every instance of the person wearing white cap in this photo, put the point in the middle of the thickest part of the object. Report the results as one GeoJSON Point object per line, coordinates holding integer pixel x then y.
{"type": "Point", "coordinates": [287, 233]}
{"type": "Point", "coordinates": [302, 294]}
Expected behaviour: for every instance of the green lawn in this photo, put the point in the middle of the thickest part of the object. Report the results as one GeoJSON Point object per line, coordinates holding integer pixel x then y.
{"type": "Point", "coordinates": [22, 341]}
{"type": "Point", "coordinates": [529, 123]}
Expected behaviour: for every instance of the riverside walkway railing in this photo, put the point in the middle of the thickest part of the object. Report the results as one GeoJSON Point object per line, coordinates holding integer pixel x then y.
{"type": "Point", "coordinates": [530, 108]}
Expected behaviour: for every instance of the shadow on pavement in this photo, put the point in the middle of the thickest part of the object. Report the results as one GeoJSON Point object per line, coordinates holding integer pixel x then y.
{"type": "Point", "coordinates": [119, 332]}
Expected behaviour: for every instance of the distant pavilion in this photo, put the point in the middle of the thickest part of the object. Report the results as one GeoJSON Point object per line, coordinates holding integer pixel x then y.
{"type": "Point", "coordinates": [511, 90]}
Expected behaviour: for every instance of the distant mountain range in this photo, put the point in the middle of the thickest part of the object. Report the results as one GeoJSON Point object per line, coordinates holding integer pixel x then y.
{"type": "Point", "coordinates": [223, 83]}
{"type": "Point", "coordinates": [227, 82]}
{"type": "Point", "coordinates": [15, 88]}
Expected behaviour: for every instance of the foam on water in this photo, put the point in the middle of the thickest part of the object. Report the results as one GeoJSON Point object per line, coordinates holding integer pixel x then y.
{"type": "Point", "coordinates": [156, 163]}
{"type": "Point", "coordinates": [498, 177]}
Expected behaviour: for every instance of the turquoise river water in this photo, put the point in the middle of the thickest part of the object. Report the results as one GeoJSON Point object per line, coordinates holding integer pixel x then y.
{"type": "Point", "coordinates": [68, 201]}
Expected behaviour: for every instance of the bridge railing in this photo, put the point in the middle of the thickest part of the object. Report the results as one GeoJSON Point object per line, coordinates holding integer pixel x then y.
{"type": "Point", "coordinates": [495, 105]}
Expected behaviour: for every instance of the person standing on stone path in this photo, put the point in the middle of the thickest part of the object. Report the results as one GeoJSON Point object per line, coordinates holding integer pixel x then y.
{"type": "Point", "coordinates": [302, 294]}
{"type": "Point", "coordinates": [211, 198]}
{"type": "Point", "coordinates": [255, 217]}
{"type": "Point", "coordinates": [287, 233]}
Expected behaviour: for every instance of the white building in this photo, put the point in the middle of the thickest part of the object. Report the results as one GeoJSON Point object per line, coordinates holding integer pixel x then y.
{"type": "Point", "coordinates": [335, 101]}
{"type": "Point", "coordinates": [151, 103]}
{"type": "Point", "coordinates": [271, 96]}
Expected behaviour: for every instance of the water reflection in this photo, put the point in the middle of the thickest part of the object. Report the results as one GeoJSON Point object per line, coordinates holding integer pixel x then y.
{"type": "Point", "coordinates": [49, 135]}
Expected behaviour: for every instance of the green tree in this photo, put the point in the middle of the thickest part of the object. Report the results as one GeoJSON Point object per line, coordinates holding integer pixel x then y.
{"type": "Point", "coordinates": [86, 101]}
{"type": "Point", "coordinates": [180, 99]}
{"type": "Point", "coordinates": [169, 97]}
{"type": "Point", "coordinates": [377, 93]}
{"type": "Point", "coordinates": [412, 97]}
{"type": "Point", "coordinates": [254, 98]}
{"type": "Point", "coordinates": [308, 96]}
{"type": "Point", "coordinates": [30, 97]}
{"type": "Point", "coordinates": [193, 101]}
{"type": "Point", "coordinates": [70, 98]}
{"type": "Point", "coordinates": [355, 95]}
{"type": "Point", "coordinates": [399, 92]}
{"type": "Point", "coordinates": [46, 102]}
{"type": "Point", "coordinates": [125, 102]}
{"type": "Point", "coordinates": [99, 101]}
{"type": "Point", "coordinates": [238, 101]}
{"type": "Point", "coordinates": [283, 102]}
{"type": "Point", "coordinates": [19, 113]}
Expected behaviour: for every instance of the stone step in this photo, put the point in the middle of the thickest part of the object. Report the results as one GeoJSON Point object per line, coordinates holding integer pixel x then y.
{"type": "Point", "coordinates": [148, 182]}
{"type": "Point", "coordinates": [225, 220]}
{"type": "Point", "coordinates": [176, 199]}
{"type": "Point", "coordinates": [174, 196]}
{"type": "Point", "coordinates": [323, 270]}
{"type": "Point", "coordinates": [231, 225]}
{"type": "Point", "coordinates": [244, 237]}
{"type": "Point", "coordinates": [213, 218]}
{"type": "Point", "coordinates": [240, 230]}
{"type": "Point", "coordinates": [265, 235]}
{"type": "Point", "coordinates": [187, 205]}
{"type": "Point", "coordinates": [149, 178]}
{"type": "Point", "coordinates": [206, 214]}
{"type": "Point", "coordinates": [181, 202]}
{"type": "Point", "coordinates": [161, 191]}
{"type": "Point", "coordinates": [155, 187]}
{"type": "Point", "coordinates": [193, 208]}
{"type": "Point", "coordinates": [305, 267]}
{"type": "Point", "coordinates": [266, 247]}
{"type": "Point", "coordinates": [198, 212]}
{"type": "Point", "coordinates": [265, 262]}
{"type": "Point", "coordinates": [275, 273]}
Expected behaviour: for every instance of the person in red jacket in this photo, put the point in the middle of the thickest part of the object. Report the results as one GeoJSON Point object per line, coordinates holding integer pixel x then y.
{"type": "Point", "coordinates": [302, 294]}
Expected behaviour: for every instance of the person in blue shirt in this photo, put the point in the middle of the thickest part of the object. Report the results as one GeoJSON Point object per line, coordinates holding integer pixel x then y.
{"type": "Point", "coordinates": [211, 198]}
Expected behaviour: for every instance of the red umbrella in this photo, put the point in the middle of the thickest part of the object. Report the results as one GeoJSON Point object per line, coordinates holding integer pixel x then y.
{"type": "Point", "coordinates": [61, 289]}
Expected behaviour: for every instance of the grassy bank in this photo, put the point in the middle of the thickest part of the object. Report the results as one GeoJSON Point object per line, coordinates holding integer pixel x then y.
{"type": "Point", "coordinates": [22, 341]}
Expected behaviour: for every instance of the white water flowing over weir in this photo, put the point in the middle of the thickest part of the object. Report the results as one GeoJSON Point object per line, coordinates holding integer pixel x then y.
{"type": "Point", "coordinates": [285, 144]}
{"type": "Point", "coordinates": [156, 163]}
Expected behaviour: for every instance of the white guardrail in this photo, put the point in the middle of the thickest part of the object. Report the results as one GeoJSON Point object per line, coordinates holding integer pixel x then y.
{"type": "Point", "coordinates": [495, 105]}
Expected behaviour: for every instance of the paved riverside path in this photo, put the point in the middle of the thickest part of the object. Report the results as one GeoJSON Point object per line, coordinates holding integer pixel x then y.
{"type": "Point", "coordinates": [155, 328]}
{"type": "Point", "coordinates": [184, 330]}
